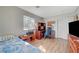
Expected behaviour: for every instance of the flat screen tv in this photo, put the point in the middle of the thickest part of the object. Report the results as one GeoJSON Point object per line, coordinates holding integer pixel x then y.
{"type": "Point", "coordinates": [74, 28]}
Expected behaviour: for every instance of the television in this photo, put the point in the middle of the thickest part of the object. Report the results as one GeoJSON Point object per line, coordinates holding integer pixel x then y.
{"type": "Point", "coordinates": [74, 28]}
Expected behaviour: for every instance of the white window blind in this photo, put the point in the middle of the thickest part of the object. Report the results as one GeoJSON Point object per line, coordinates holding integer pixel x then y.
{"type": "Point", "coordinates": [29, 23]}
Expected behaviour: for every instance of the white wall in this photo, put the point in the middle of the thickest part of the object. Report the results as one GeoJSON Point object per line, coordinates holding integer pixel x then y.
{"type": "Point", "coordinates": [77, 12]}
{"type": "Point", "coordinates": [61, 24]}
{"type": "Point", "coordinates": [11, 19]}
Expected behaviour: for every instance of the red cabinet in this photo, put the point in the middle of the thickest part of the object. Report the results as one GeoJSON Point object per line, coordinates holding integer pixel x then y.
{"type": "Point", "coordinates": [41, 28]}
{"type": "Point", "coordinates": [38, 34]}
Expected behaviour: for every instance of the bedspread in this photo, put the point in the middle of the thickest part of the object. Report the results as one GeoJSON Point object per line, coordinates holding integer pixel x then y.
{"type": "Point", "coordinates": [17, 46]}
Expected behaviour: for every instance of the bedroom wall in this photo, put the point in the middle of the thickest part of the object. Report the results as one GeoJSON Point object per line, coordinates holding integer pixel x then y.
{"type": "Point", "coordinates": [77, 12]}
{"type": "Point", "coordinates": [11, 19]}
{"type": "Point", "coordinates": [61, 24]}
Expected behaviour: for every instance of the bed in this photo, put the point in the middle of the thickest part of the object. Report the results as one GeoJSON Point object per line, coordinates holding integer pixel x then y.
{"type": "Point", "coordinates": [17, 45]}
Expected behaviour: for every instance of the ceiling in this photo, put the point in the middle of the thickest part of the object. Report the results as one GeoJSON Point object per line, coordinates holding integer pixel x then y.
{"type": "Point", "coordinates": [49, 11]}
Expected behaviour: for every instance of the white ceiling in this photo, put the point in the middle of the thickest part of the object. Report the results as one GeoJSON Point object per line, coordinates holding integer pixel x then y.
{"type": "Point", "coordinates": [49, 11]}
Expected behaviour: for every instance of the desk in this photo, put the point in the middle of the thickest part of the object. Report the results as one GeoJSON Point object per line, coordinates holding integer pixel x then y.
{"type": "Point", "coordinates": [29, 38]}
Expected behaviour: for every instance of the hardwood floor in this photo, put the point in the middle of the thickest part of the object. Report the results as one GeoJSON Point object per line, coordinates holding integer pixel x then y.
{"type": "Point", "coordinates": [52, 45]}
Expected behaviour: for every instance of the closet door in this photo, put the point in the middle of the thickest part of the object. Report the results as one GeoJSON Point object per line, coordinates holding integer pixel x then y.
{"type": "Point", "coordinates": [63, 27]}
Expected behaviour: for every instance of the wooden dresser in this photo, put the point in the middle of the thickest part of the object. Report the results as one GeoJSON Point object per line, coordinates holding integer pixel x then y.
{"type": "Point", "coordinates": [73, 44]}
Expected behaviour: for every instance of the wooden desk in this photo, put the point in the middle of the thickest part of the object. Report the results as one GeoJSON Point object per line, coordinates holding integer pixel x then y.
{"type": "Point", "coordinates": [28, 38]}
{"type": "Point", "coordinates": [32, 37]}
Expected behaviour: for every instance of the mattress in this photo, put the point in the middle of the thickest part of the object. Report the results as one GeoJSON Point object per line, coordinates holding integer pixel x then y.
{"type": "Point", "coordinates": [17, 46]}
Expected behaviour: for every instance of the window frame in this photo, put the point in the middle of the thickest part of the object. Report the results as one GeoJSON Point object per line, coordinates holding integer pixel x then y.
{"type": "Point", "coordinates": [31, 22]}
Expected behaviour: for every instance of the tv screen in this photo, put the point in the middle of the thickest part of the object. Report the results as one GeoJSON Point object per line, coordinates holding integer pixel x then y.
{"type": "Point", "coordinates": [74, 28]}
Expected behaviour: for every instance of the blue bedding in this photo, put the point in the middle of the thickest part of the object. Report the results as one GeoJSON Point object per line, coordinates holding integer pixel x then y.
{"type": "Point", "coordinates": [17, 46]}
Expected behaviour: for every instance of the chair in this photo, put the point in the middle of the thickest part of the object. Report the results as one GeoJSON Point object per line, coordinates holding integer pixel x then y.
{"type": "Point", "coordinates": [49, 33]}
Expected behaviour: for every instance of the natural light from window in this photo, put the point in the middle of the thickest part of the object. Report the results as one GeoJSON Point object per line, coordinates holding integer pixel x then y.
{"type": "Point", "coordinates": [42, 48]}
{"type": "Point", "coordinates": [29, 23]}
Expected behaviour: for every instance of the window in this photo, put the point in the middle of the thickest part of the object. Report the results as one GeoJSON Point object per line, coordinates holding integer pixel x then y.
{"type": "Point", "coordinates": [29, 23]}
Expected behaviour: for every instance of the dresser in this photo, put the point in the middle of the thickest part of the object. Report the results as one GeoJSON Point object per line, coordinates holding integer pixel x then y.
{"type": "Point", "coordinates": [73, 44]}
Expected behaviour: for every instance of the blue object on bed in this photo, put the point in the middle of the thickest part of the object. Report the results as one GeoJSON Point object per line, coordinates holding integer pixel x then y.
{"type": "Point", "coordinates": [17, 46]}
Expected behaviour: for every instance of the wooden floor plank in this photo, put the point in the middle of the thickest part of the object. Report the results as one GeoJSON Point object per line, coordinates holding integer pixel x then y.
{"type": "Point", "coordinates": [52, 45]}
